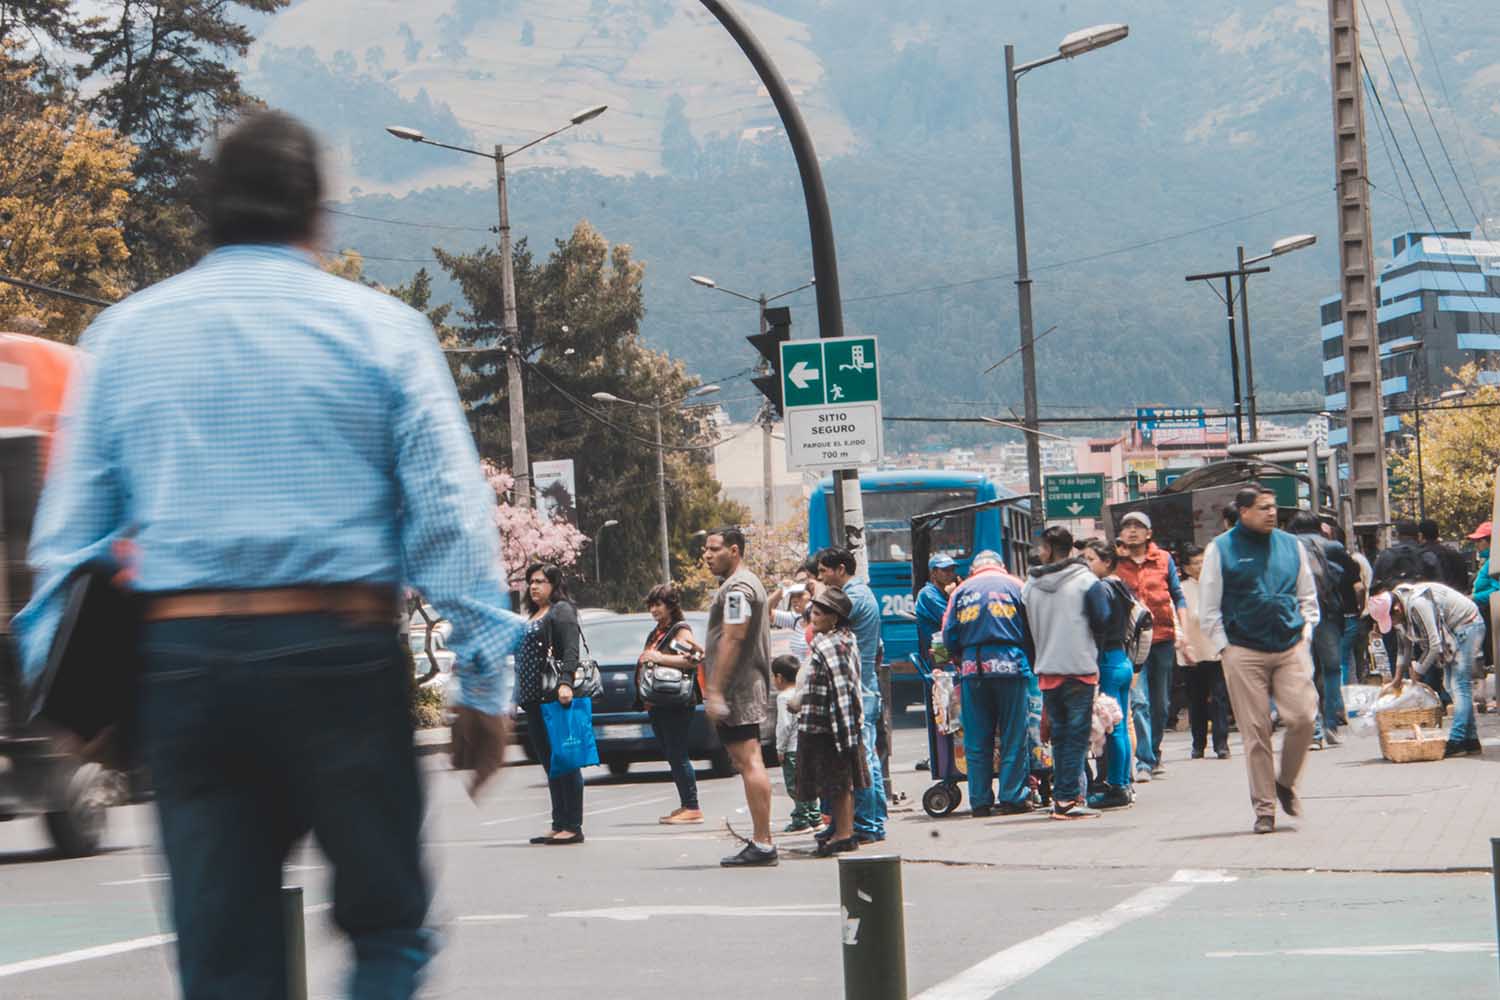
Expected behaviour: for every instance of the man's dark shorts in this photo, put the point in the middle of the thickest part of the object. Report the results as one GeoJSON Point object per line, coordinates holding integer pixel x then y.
{"type": "Point", "coordinates": [737, 734]}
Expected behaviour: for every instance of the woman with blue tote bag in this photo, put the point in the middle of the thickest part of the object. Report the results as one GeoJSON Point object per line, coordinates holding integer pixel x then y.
{"type": "Point", "coordinates": [552, 635]}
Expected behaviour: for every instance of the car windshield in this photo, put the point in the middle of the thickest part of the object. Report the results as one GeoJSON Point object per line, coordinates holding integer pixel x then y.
{"type": "Point", "coordinates": [620, 640]}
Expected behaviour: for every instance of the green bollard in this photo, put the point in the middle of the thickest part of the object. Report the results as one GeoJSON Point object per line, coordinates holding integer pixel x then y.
{"type": "Point", "coordinates": [874, 927]}
{"type": "Point", "coordinates": [296, 942]}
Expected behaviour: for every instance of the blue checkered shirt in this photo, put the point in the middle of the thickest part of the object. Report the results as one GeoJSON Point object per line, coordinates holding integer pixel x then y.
{"type": "Point", "coordinates": [255, 422]}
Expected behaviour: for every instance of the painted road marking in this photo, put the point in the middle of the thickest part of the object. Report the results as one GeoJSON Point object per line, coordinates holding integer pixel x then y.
{"type": "Point", "coordinates": [635, 913]}
{"type": "Point", "coordinates": [1370, 950]}
{"type": "Point", "coordinates": [490, 918]}
{"type": "Point", "coordinates": [108, 950]}
{"type": "Point", "coordinates": [588, 813]}
{"type": "Point", "coordinates": [1004, 969]}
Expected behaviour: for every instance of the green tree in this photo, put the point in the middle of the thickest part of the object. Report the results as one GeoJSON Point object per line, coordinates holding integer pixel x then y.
{"type": "Point", "coordinates": [579, 316]}
{"type": "Point", "coordinates": [165, 80]}
{"type": "Point", "coordinates": [1460, 453]}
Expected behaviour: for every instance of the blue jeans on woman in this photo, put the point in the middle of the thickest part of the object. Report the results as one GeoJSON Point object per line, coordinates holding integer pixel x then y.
{"type": "Point", "coordinates": [672, 726]}
{"type": "Point", "coordinates": [567, 790]}
{"type": "Point", "coordinates": [256, 731]}
{"type": "Point", "coordinates": [1115, 675]}
{"type": "Point", "coordinates": [1460, 677]}
{"type": "Point", "coordinates": [1327, 673]}
{"type": "Point", "coordinates": [1070, 713]}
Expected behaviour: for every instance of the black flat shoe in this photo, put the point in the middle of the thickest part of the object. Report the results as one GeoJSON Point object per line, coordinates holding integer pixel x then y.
{"type": "Point", "coordinates": [829, 848]}
{"type": "Point", "coordinates": [543, 838]}
{"type": "Point", "coordinates": [576, 838]}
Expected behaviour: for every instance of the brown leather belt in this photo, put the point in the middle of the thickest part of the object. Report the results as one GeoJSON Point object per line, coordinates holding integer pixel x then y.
{"type": "Point", "coordinates": [362, 602]}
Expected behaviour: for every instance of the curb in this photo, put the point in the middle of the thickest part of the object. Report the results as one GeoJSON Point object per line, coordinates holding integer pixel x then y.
{"type": "Point", "coordinates": [428, 742]}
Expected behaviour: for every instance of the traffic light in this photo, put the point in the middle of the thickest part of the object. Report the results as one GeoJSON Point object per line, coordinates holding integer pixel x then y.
{"type": "Point", "coordinates": [775, 328]}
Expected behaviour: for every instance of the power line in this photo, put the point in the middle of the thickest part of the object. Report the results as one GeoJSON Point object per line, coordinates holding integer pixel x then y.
{"type": "Point", "coordinates": [32, 286]}
{"type": "Point", "coordinates": [1370, 87]}
{"type": "Point", "coordinates": [1401, 40]}
{"type": "Point", "coordinates": [413, 225]}
{"type": "Point", "coordinates": [1437, 66]}
{"type": "Point", "coordinates": [1130, 418]}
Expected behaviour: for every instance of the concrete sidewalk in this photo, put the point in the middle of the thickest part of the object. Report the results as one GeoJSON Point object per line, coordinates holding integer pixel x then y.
{"type": "Point", "coordinates": [1360, 813]}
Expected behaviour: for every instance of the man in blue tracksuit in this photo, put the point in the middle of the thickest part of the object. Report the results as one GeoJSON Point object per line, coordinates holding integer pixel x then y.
{"type": "Point", "coordinates": [987, 635]}
{"type": "Point", "coordinates": [836, 568]}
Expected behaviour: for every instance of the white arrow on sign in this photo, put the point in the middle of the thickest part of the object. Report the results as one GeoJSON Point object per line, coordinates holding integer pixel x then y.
{"type": "Point", "coordinates": [801, 375]}
{"type": "Point", "coordinates": [1074, 508]}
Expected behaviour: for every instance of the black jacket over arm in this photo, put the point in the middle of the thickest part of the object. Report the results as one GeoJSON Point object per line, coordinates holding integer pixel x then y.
{"type": "Point", "coordinates": [562, 639]}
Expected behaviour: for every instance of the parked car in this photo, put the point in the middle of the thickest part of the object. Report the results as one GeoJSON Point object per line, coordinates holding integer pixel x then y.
{"type": "Point", "coordinates": [623, 732]}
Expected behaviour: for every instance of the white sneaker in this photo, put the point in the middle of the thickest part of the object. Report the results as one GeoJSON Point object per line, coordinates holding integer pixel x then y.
{"type": "Point", "coordinates": [1142, 774]}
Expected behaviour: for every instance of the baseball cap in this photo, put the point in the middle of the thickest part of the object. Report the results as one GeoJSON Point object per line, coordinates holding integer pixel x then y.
{"type": "Point", "coordinates": [941, 561]}
{"type": "Point", "coordinates": [1483, 531]}
{"type": "Point", "coordinates": [1138, 518]}
{"type": "Point", "coordinates": [1379, 608]}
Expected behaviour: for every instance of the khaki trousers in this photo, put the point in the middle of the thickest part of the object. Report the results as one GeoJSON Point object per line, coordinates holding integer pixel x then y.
{"type": "Point", "coordinates": [1253, 679]}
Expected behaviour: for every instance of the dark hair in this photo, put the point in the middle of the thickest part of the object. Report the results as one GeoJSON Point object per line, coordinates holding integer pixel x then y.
{"type": "Point", "coordinates": [264, 185]}
{"type": "Point", "coordinates": [1188, 552]}
{"type": "Point", "coordinates": [836, 558]}
{"type": "Point", "coordinates": [554, 576]}
{"type": "Point", "coordinates": [1305, 522]}
{"type": "Point", "coordinates": [786, 666]}
{"type": "Point", "coordinates": [666, 593]}
{"type": "Point", "coordinates": [731, 536]}
{"type": "Point", "coordinates": [1059, 540]}
{"type": "Point", "coordinates": [1230, 514]}
{"type": "Point", "coordinates": [1104, 550]}
{"type": "Point", "coordinates": [810, 565]}
{"type": "Point", "coordinates": [1406, 529]}
{"type": "Point", "coordinates": [1429, 530]}
{"type": "Point", "coordinates": [1249, 494]}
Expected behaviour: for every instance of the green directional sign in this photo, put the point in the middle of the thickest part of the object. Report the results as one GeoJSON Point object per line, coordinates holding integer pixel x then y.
{"type": "Point", "coordinates": [802, 378]}
{"type": "Point", "coordinates": [852, 377]}
{"type": "Point", "coordinates": [1074, 496]}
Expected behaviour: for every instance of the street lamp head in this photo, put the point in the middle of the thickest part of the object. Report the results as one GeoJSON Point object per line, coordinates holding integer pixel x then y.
{"type": "Point", "coordinates": [1291, 243]}
{"type": "Point", "coordinates": [699, 279]}
{"type": "Point", "coordinates": [589, 114]}
{"type": "Point", "coordinates": [607, 397]}
{"type": "Point", "coordinates": [703, 390]}
{"type": "Point", "coordinates": [1454, 394]}
{"type": "Point", "coordinates": [1089, 39]}
{"type": "Point", "coordinates": [402, 132]}
{"type": "Point", "coordinates": [608, 524]}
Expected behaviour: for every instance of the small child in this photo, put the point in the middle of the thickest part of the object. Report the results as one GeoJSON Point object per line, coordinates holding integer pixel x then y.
{"type": "Point", "coordinates": [805, 815]}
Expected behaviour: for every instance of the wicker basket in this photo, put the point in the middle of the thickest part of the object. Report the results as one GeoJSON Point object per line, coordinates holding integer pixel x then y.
{"type": "Point", "coordinates": [1413, 743]}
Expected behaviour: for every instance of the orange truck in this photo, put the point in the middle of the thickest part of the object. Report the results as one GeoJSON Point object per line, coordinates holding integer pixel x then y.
{"type": "Point", "coordinates": [40, 778]}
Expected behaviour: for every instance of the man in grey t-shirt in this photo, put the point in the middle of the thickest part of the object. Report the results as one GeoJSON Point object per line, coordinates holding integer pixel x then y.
{"type": "Point", "coordinates": [739, 680]}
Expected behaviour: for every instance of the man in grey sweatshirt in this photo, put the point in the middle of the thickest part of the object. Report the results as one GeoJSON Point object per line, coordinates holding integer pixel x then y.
{"type": "Point", "coordinates": [1065, 603]}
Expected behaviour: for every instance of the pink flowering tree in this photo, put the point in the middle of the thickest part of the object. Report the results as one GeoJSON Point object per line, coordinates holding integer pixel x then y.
{"type": "Point", "coordinates": [526, 535]}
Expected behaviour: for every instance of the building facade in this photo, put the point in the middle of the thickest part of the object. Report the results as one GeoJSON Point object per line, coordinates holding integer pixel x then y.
{"type": "Point", "coordinates": [1439, 310]}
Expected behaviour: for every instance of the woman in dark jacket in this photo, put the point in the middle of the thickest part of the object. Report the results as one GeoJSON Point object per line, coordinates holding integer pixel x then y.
{"type": "Point", "coordinates": [672, 723]}
{"type": "Point", "coordinates": [551, 633]}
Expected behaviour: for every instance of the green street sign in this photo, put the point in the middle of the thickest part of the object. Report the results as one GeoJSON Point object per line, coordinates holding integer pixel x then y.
{"type": "Point", "coordinates": [829, 372]}
{"type": "Point", "coordinates": [802, 378]}
{"type": "Point", "coordinates": [1074, 495]}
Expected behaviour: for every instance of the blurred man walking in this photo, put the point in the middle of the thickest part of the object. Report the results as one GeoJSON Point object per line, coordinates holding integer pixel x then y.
{"type": "Point", "coordinates": [288, 450]}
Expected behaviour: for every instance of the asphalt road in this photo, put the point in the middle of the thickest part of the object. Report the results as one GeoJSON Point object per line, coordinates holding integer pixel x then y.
{"type": "Point", "coordinates": [644, 911]}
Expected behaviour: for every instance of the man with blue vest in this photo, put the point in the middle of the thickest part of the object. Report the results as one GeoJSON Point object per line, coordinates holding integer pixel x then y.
{"type": "Point", "coordinates": [987, 636]}
{"type": "Point", "coordinates": [1259, 608]}
{"type": "Point", "coordinates": [932, 602]}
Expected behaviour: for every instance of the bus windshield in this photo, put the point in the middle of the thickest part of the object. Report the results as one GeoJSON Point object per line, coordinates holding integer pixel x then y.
{"type": "Point", "coordinates": [888, 523]}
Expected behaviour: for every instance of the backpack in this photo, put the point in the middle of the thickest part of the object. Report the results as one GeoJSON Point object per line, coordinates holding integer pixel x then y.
{"type": "Point", "coordinates": [1139, 624]}
{"type": "Point", "coordinates": [1403, 564]}
{"type": "Point", "coordinates": [1325, 577]}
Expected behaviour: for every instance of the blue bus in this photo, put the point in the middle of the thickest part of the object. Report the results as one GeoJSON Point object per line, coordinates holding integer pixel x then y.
{"type": "Point", "coordinates": [891, 500]}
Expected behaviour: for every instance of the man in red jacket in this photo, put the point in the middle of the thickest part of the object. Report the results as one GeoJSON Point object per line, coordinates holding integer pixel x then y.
{"type": "Point", "coordinates": [1151, 573]}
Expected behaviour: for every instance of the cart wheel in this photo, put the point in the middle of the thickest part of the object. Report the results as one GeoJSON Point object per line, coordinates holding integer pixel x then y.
{"type": "Point", "coordinates": [939, 800]}
{"type": "Point", "coordinates": [78, 829]}
{"type": "Point", "coordinates": [955, 796]}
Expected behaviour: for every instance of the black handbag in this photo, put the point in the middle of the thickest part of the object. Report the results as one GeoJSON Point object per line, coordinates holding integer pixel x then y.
{"type": "Point", "coordinates": [661, 686]}
{"type": "Point", "coordinates": [587, 681]}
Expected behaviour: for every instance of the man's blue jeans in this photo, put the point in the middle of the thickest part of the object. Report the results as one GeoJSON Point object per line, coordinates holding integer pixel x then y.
{"type": "Point", "coordinates": [996, 707]}
{"type": "Point", "coordinates": [1460, 677]}
{"type": "Point", "coordinates": [255, 731]}
{"type": "Point", "coordinates": [1350, 655]}
{"type": "Point", "coordinates": [869, 803]}
{"type": "Point", "coordinates": [1327, 673]}
{"type": "Point", "coordinates": [1070, 712]}
{"type": "Point", "coordinates": [1148, 701]}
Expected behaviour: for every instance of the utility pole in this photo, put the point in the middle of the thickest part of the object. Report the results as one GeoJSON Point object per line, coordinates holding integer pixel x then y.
{"type": "Point", "coordinates": [1364, 414]}
{"type": "Point", "coordinates": [1023, 285]}
{"type": "Point", "coordinates": [661, 497]}
{"type": "Point", "coordinates": [511, 332]}
{"type": "Point", "coordinates": [1245, 333]}
{"type": "Point", "coordinates": [767, 418]}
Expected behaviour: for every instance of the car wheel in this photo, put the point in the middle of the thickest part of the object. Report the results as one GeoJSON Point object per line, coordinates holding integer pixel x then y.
{"type": "Point", "coordinates": [618, 768]}
{"type": "Point", "coordinates": [78, 829]}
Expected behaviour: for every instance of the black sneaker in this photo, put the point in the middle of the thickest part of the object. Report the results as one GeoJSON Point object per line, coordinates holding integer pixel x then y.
{"type": "Point", "coordinates": [752, 856]}
{"type": "Point", "coordinates": [1197, 753]}
{"type": "Point", "coordinates": [1463, 748]}
{"type": "Point", "coordinates": [1015, 808]}
{"type": "Point", "coordinates": [824, 834]}
{"type": "Point", "coordinates": [829, 848]}
{"type": "Point", "coordinates": [1112, 798]}
{"type": "Point", "coordinates": [1222, 754]}
{"type": "Point", "coordinates": [868, 838]}
{"type": "Point", "coordinates": [980, 812]}
{"type": "Point", "coordinates": [923, 765]}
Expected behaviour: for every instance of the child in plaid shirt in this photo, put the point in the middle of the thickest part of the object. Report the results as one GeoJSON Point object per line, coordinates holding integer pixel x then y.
{"type": "Point", "coordinates": [805, 815]}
